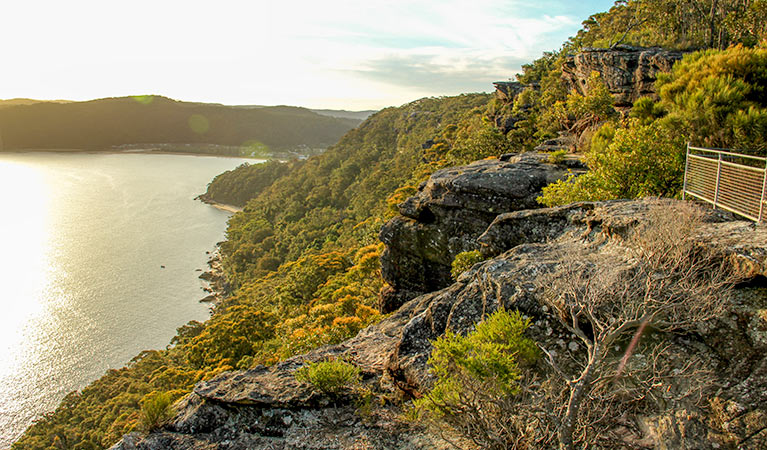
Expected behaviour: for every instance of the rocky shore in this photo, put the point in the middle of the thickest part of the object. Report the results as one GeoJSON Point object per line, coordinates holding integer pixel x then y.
{"type": "Point", "coordinates": [215, 282]}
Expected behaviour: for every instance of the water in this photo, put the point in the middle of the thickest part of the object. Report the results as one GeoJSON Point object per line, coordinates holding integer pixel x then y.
{"type": "Point", "coordinates": [82, 290]}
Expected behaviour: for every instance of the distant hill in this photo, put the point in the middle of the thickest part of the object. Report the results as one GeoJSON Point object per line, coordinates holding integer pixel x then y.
{"type": "Point", "coordinates": [344, 114]}
{"type": "Point", "coordinates": [132, 121]}
{"type": "Point", "coordinates": [340, 113]}
{"type": "Point", "coordinates": [27, 101]}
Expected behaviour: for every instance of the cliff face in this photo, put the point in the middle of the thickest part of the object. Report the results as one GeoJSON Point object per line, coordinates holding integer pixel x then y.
{"type": "Point", "coordinates": [629, 72]}
{"type": "Point", "coordinates": [448, 213]}
{"type": "Point", "coordinates": [267, 408]}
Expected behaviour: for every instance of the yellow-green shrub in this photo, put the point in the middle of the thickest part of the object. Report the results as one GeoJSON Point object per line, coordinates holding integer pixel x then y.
{"type": "Point", "coordinates": [478, 377]}
{"type": "Point", "coordinates": [330, 377]}
{"type": "Point", "coordinates": [463, 262]}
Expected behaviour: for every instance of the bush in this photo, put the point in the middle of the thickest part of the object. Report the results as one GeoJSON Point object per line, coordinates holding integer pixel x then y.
{"type": "Point", "coordinates": [330, 377]}
{"type": "Point", "coordinates": [463, 262]}
{"type": "Point", "coordinates": [718, 97]}
{"type": "Point", "coordinates": [662, 283]}
{"type": "Point", "coordinates": [479, 378]}
{"type": "Point", "coordinates": [557, 157]}
{"type": "Point", "coordinates": [156, 410]}
{"type": "Point", "coordinates": [638, 161]}
{"type": "Point", "coordinates": [581, 112]}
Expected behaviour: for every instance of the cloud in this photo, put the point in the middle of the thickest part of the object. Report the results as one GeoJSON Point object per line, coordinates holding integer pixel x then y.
{"type": "Point", "coordinates": [435, 74]}
{"type": "Point", "coordinates": [246, 51]}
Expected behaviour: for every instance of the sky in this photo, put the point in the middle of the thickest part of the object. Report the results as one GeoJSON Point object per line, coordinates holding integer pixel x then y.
{"type": "Point", "coordinates": [362, 54]}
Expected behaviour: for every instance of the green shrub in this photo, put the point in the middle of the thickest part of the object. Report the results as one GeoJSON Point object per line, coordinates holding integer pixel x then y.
{"type": "Point", "coordinates": [557, 157]}
{"type": "Point", "coordinates": [632, 162]}
{"type": "Point", "coordinates": [478, 380]}
{"type": "Point", "coordinates": [463, 262]}
{"type": "Point", "coordinates": [718, 98]}
{"type": "Point", "coordinates": [330, 377]}
{"type": "Point", "coordinates": [156, 410]}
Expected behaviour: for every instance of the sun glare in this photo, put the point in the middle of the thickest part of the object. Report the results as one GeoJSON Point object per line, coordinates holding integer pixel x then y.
{"type": "Point", "coordinates": [24, 267]}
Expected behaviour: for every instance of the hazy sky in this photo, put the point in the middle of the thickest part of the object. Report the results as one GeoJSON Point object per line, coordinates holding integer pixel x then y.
{"type": "Point", "coordinates": [363, 54]}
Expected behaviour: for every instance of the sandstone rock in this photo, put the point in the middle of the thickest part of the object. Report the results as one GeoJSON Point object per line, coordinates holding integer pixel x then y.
{"type": "Point", "coordinates": [449, 212]}
{"type": "Point", "coordinates": [508, 90]}
{"type": "Point", "coordinates": [629, 72]}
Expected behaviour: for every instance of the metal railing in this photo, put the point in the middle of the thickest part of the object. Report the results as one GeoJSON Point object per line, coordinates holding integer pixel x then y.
{"type": "Point", "coordinates": [731, 181]}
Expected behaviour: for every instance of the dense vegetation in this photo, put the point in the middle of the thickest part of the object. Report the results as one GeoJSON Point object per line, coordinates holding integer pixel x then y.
{"type": "Point", "coordinates": [339, 200]}
{"type": "Point", "coordinates": [303, 255]}
{"type": "Point", "coordinates": [713, 98]}
{"type": "Point", "coordinates": [237, 186]}
{"type": "Point", "coordinates": [104, 123]}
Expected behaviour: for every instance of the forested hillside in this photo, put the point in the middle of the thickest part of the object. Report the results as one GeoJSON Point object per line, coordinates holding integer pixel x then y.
{"type": "Point", "coordinates": [110, 122]}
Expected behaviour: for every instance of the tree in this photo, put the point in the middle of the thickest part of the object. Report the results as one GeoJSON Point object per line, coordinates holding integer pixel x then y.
{"type": "Point", "coordinates": [718, 98]}
{"type": "Point", "coordinates": [662, 281]}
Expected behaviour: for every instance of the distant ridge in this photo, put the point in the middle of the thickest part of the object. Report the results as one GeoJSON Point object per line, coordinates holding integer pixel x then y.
{"type": "Point", "coordinates": [344, 114]}
{"type": "Point", "coordinates": [27, 101]}
{"type": "Point", "coordinates": [108, 123]}
{"type": "Point", "coordinates": [340, 113]}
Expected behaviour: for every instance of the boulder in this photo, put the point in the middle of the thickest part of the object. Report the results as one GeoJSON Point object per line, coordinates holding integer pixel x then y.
{"type": "Point", "coordinates": [449, 212]}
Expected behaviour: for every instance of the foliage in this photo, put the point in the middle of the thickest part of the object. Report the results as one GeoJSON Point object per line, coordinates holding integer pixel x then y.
{"type": "Point", "coordinates": [638, 161]}
{"type": "Point", "coordinates": [477, 139]}
{"type": "Point", "coordinates": [463, 262]}
{"type": "Point", "coordinates": [100, 414]}
{"type": "Point", "coordinates": [690, 24]}
{"type": "Point", "coordinates": [545, 108]}
{"type": "Point", "coordinates": [237, 186]}
{"type": "Point", "coordinates": [718, 98]}
{"type": "Point", "coordinates": [580, 112]}
{"type": "Point", "coordinates": [156, 410]}
{"type": "Point", "coordinates": [646, 110]}
{"type": "Point", "coordinates": [237, 332]}
{"type": "Point", "coordinates": [338, 200]}
{"type": "Point", "coordinates": [557, 157]}
{"type": "Point", "coordinates": [330, 377]}
{"type": "Point", "coordinates": [712, 98]}
{"type": "Point", "coordinates": [479, 379]}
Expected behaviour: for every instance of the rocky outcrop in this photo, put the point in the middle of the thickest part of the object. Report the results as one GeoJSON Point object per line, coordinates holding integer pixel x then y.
{"type": "Point", "coordinates": [508, 90]}
{"type": "Point", "coordinates": [215, 280]}
{"type": "Point", "coordinates": [629, 72]}
{"type": "Point", "coordinates": [268, 408]}
{"type": "Point", "coordinates": [507, 117]}
{"type": "Point", "coordinates": [447, 215]}
{"type": "Point", "coordinates": [564, 141]}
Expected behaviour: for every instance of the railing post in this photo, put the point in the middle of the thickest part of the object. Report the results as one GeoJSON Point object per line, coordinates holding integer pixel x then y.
{"type": "Point", "coordinates": [764, 190]}
{"type": "Point", "coordinates": [718, 176]}
{"type": "Point", "coordinates": [686, 167]}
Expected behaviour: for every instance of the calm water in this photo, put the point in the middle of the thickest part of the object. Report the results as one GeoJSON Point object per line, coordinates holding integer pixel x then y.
{"type": "Point", "coordinates": [83, 237]}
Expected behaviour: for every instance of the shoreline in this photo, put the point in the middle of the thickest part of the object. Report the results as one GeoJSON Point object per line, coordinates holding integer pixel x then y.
{"type": "Point", "coordinates": [214, 281]}
{"type": "Point", "coordinates": [222, 206]}
{"type": "Point", "coordinates": [147, 151]}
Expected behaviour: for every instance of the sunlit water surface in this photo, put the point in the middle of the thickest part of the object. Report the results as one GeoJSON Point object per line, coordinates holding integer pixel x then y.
{"type": "Point", "coordinates": [83, 238]}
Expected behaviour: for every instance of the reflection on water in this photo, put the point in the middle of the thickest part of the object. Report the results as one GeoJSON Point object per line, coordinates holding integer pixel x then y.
{"type": "Point", "coordinates": [83, 239]}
